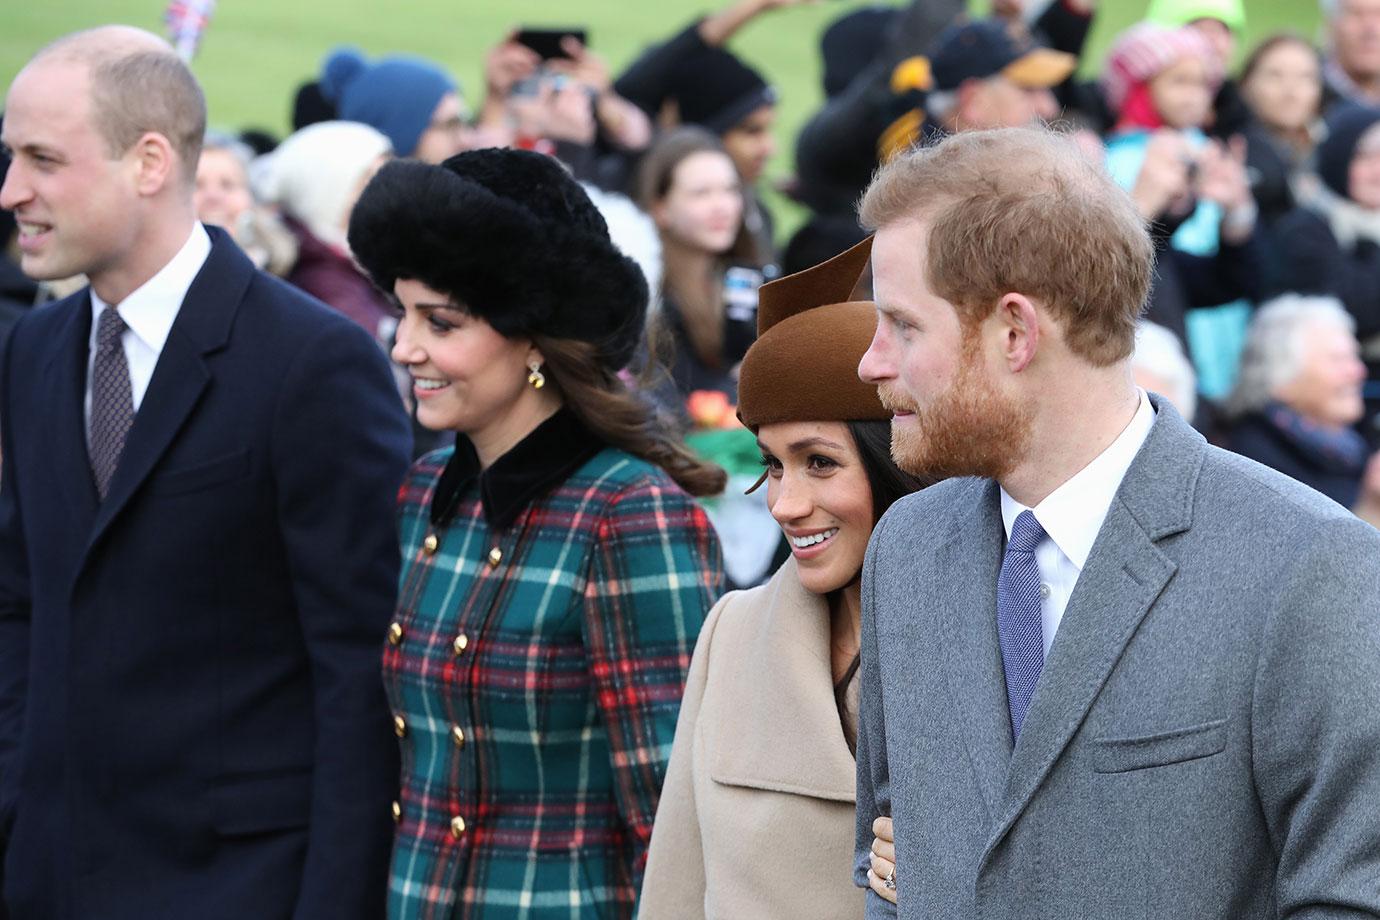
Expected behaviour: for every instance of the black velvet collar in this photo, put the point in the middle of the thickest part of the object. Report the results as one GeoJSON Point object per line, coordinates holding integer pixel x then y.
{"type": "Point", "coordinates": [541, 461]}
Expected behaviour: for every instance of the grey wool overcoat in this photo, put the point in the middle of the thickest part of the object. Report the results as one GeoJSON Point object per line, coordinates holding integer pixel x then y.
{"type": "Point", "coordinates": [1204, 741]}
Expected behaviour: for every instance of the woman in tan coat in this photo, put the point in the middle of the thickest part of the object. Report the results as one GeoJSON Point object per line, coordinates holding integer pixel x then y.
{"type": "Point", "coordinates": [756, 815]}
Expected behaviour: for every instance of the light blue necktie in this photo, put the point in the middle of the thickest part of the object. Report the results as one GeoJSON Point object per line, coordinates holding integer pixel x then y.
{"type": "Point", "coordinates": [1018, 616]}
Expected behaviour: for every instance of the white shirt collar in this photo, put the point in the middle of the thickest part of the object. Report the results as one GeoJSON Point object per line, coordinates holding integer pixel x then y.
{"type": "Point", "coordinates": [149, 311]}
{"type": "Point", "coordinates": [1073, 513]}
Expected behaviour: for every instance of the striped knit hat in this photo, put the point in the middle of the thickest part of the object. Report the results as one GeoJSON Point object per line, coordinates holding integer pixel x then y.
{"type": "Point", "coordinates": [1143, 51]}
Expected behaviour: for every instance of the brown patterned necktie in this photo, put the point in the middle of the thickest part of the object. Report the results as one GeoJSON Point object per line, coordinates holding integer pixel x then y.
{"type": "Point", "coordinates": [112, 400]}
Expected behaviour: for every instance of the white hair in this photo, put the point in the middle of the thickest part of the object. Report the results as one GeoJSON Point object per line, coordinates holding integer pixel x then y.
{"type": "Point", "coordinates": [221, 140]}
{"type": "Point", "coordinates": [1273, 353]}
{"type": "Point", "coordinates": [1159, 352]}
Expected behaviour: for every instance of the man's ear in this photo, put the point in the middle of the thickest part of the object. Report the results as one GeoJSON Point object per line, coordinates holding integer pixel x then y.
{"type": "Point", "coordinates": [156, 163]}
{"type": "Point", "coordinates": [1020, 329]}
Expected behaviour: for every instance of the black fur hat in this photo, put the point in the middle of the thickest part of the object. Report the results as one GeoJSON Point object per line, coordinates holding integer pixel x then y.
{"type": "Point", "coordinates": [513, 238]}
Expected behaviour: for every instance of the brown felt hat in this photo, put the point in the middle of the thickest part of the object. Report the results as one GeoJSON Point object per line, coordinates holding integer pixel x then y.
{"type": "Point", "coordinates": [810, 337]}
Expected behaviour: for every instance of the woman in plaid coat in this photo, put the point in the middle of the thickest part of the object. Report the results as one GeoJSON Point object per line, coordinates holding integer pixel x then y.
{"type": "Point", "coordinates": [556, 572]}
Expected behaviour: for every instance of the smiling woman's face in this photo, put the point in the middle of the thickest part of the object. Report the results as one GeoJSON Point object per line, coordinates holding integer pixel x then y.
{"type": "Point", "coordinates": [817, 490]}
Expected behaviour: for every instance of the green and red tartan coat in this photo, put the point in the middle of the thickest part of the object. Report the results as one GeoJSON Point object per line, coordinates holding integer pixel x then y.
{"type": "Point", "coordinates": [547, 615]}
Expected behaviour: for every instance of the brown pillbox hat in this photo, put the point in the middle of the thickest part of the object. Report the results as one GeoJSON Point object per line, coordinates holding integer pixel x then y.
{"type": "Point", "coordinates": [804, 365]}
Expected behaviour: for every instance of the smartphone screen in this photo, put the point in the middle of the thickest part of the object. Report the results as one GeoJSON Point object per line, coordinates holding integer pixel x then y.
{"type": "Point", "coordinates": [547, 42]}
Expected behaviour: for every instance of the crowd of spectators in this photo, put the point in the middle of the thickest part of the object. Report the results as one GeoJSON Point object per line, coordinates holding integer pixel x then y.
{"type": "Point", "coordinates": [1261, 183]}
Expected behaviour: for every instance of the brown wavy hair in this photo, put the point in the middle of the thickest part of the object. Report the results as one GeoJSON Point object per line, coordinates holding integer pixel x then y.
{"type": "Point", "coordinates": [621, 417]}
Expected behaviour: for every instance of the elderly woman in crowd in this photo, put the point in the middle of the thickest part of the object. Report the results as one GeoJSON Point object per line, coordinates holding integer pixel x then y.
{"type": "Point", "coordinates": [225, 197]}
{"type": "Point", "coordinates": [315, 177]}
{"type": "Point", "coordinates": [555, 570]}
{"type": "Point", "coordinates": [1299, 396]}
{"type": "Point", "coordinates": [756, 818]}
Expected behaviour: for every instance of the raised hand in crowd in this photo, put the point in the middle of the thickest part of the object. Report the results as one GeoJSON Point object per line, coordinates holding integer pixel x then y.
{"type": "Point", "coordinates": [551, 108]}
{"type": "Point", "coordinates": [1165, 183]}
{"type": "Point", "coordinates": [507, 63]}
{"type": "Point", "coordinates": [1221, 178]}
{"type": "Point", "coordinates": [718, 28]}
{"type": "Point", "coordinates": [622, 123]}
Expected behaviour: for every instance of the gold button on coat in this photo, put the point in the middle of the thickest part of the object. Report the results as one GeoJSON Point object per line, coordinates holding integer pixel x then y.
{"type": "Point", "coordinates": [461, 643]}
{"type": "Point", "coordinates": [395, 634]}
{"type": "Point", "coordinates": [457, 827]}
{"type": "Point", "coordinates": [397, 812]}
{"type": "Point", "coordinates": [430, 543]}
{"type": "Point", "coordinates": [399, 726]}
{"type": "Point", "coordinates": [457, 734]}
{"type": "Point", "coordinates": [495, 557]}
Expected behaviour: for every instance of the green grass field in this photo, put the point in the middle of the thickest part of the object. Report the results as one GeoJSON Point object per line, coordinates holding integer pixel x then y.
{"type": "Point", "coordinates": [257, 51]}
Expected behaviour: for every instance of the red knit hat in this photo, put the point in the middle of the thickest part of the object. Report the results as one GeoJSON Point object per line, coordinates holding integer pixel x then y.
{"type": "Point", "coordinates": [810, 337]}
{"type": "Point", "coordinates": [1143, 51]}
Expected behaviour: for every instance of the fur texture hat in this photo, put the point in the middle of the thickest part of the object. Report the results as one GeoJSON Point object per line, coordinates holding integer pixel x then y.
{"type": "Point", "coordinates": [804, 365]}
{"type": "Point", "coordinates": [513, 238]}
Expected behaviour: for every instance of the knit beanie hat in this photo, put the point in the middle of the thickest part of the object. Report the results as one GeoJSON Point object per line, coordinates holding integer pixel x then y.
{"type": "Point", "coordinates": [1143, 51]}
{"type": "Point", "coordinates": [1173, 13]}
{"type": "Point", "coordinates": [810, 338]}
{"type": "Point", "coordinates": [715, 89]}
{"type": "Point", "coordinates": [313, 175]}
{"type": "Point", "coordinates": [513, 238]}
{"type": "Point", "coordinates": [1346, 125]}
{"type": "Point", "coordinates": [396, 95]}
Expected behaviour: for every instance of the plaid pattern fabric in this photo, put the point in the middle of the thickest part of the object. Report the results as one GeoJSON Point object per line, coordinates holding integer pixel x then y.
{"type": "Point", "coordinates": [533, 748]}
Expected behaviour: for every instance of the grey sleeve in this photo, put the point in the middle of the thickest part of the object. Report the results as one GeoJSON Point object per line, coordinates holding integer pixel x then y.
{"type": "Point", "coordinates": [1315, 726]}
{"type": "Point", "coordinates": [874, 783]}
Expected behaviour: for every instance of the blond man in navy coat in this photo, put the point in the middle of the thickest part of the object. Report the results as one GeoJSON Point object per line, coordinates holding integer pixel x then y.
{"type": "Point", "coordinates": [197, 550]}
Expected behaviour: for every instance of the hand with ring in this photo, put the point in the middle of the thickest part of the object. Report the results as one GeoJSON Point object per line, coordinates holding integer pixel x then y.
{"type": "Point", "coordinates": [882, 876]}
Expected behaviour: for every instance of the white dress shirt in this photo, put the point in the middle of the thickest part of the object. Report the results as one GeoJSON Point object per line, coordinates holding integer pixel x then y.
{"type": "Point", "coordinates": [149, 312]}
{"type": "Point", "coordinates": [1073, 514]}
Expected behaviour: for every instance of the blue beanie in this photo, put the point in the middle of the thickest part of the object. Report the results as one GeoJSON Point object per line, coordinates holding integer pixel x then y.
{"type": "Point", "coordinates": [395, 95]}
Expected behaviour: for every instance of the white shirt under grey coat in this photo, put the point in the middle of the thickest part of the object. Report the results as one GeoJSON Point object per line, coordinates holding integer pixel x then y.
{"type": "Point", "coordinates": [1073, 514]}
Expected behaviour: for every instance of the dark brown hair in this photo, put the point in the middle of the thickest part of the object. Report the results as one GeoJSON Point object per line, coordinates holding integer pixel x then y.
{"type": "Point", "coordinates": [622, 418]}
{"type": "Point", "coordinates": [887, 481]}
{"type": "Point", "coordinates": [657, 171]}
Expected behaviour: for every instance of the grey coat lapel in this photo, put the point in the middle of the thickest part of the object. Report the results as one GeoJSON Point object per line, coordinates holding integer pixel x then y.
{"type": "Point", "coordinates": [971, 559]}
{"type": "Point", "coordinates": [1124, 575]}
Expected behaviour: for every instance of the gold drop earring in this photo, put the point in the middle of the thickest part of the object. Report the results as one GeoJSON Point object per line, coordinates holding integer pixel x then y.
{"type": "Point", "coordinates": [536, 378]}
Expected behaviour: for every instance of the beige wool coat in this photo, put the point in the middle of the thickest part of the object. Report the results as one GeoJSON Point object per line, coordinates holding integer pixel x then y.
{"type": "Point", "coordinates": [756, 814]}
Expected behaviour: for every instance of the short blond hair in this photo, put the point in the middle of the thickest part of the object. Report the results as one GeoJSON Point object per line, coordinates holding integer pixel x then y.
{"type": "Point", "coordinates": [1023, 210]}
{"type": "Point", "coordinates": [138, 84]}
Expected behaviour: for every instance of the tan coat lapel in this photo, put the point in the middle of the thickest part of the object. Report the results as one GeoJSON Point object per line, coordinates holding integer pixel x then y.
{"type": "Point", "coordinates": [783, 686]}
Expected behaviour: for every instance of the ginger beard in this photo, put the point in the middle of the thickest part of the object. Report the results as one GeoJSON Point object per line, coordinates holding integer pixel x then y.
{"type": "Point", "coordinates": [968, 429]}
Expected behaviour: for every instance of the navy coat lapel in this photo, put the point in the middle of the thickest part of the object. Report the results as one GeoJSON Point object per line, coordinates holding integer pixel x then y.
{"type": "Point", "coordinates": [1124, 575]}
{"type": "Point", "coordinates": [66, 381]}
{"type": "Point", "coordinates": [972, 655]}
{"type": "Point", "coordinates": [181, 375]}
